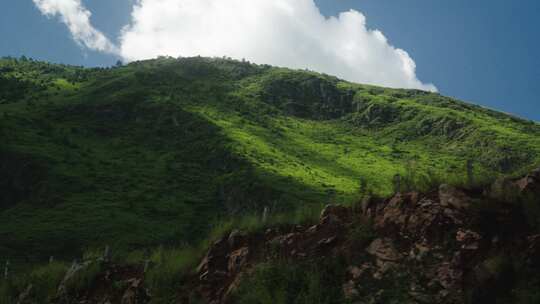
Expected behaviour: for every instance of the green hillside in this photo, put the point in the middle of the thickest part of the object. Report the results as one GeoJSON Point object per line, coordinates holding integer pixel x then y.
{"type": "Point", "coordinates": [156, 152]}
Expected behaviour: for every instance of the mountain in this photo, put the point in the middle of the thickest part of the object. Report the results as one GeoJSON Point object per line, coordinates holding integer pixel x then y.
{"type": "Point", "coordinates": [162, 152]}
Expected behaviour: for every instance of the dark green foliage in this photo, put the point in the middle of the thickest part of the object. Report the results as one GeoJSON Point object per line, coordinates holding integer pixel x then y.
{"type": "Point", "coordinates": [83, 280]}
{"type": "Point", "coordinates": [527, 293]}
{"type": "Point", "coordinates": [13, 89]}
{"type": "Point", "coordinates": [8, 291]}
{"type": "Point", "coordinates": [305, 95]}
{"type": "Point", "coordinates": [170, 268]}
{"type": "Point", "coordinates": [293, 283]}
{"type": "Point", "coordinates": [492, 281]}
{"type": "Point", "coordinates": [509, 199]}
{"type": "Point", "coordinates": [531, 208]}
{"type": "Point", "coordinates": [361, 235]}
{"type": "Point", "coordinates": [24, 179]}
{"type": "Point", "coordinates": [43, 279]}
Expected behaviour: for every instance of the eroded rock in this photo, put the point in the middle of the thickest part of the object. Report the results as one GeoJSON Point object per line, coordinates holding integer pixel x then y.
{"type": "Point", "coordinates": [530, 184]}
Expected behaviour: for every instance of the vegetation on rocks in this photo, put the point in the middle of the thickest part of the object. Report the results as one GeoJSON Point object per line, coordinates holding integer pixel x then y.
{"type": "Point", "coordinates": [298, 283]}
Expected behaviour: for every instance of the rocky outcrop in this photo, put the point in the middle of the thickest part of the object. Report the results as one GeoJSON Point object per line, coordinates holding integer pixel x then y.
{"type": "Point", "coordinates": [452, 196]}
{"type": "Point", "coordinates": [531, 183]}
{"type": "Point", "coordinates": [229, 257]}
{"type": "Point", "coordinates": [433, 247]}
{"type": "Point", "coordinates": [447, 246]}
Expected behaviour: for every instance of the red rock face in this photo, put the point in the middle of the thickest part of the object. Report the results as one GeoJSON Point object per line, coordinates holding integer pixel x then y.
{"type": "Point", "coordinates": [429, 240]}
{"type": "Point", "coordinates": [432, 247]}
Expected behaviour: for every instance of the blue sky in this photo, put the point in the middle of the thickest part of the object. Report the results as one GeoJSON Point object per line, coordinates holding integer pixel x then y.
{"type": "Point", "coordinates": [481, 51]}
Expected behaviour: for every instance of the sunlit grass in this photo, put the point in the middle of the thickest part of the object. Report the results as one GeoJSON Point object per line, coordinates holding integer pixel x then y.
{"type": "Point", "coordinates": [158, 152]}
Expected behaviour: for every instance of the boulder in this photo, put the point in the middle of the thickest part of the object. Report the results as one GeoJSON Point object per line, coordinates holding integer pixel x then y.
{"type": "Point", "coordinates": [237, 239]}
{"type": "Point", "coordinates": [417, 219]}
{"type": "Point", "coordinates": [326, 242]}
{"type": "Point", "coordinates": [349, 290]}
{"type": "Point", "coordinates": [336, 213]}
{"type": "Point", "coordinates": [452, 196]}
{"type": "Point", "coordinates": [285, 240]}
{"type": "Point", "coordinates": [237, 259]}
{"type": "Point", "coordinates": [468, 239]}
{"type": "Point", "coordinates": [467, 236]}
{"type": "Point", "coordinates": [394, 215]}
{"type": "Point", "coordinates": [448, 276]}
{"type": "Point", "coordinates": [530, 184]}
{"type": "Point", "coordinates": [384, 249]}
{"type": "Point", "coordinates": [356, 273]}
{"type": "Point", "coordinates": [313, 229]}
{"type": "Point", "coordinates": [135, 293]}
{"type": "Point", "coordinates": [418, 252]}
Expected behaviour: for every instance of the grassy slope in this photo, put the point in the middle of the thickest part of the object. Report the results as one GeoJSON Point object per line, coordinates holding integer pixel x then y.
{"type": "Point", "coordinates": [154, 151]}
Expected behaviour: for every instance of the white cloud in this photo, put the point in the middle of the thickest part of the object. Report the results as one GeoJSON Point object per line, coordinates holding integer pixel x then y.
{"type": "Point", "coordinates": [290, 33]}
{"type": "Point", "coordinates": [77, 19]}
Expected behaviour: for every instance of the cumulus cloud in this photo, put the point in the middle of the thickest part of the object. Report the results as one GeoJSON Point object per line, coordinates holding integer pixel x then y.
{"type": "Point", "coordinates": [289, 33]}
{"type": "Point", "coordinates": [77, 18]}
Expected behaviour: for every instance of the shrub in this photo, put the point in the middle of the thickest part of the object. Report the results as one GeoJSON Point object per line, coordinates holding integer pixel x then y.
{"type": "Point", "coordinates": [252, 223]}
{"type": "Point", "coordinates": [84, 278]}
{"type": "Point", "coordinates": [361, 233]}
{"type": "Point", "coordinates": [527, 295]}
{"type": "Point", "coordinates": [7, 291]}
{"type": "Point", "coordinates": [283, 283]}
{"type": "Point", "coordinates": [531, 209]}
{"type": "Point", "coordinates": [46, 279]}
{"type": "Point", "coordinates": [169, 268]}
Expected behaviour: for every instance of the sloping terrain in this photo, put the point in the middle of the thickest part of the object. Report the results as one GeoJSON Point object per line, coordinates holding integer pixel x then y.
{"type": "Point", "coordinates": [451, 245]}
{"type": "Point", "coordinates": [447, 246]}
{"type": "Point", "coordinates": [157, 152]}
